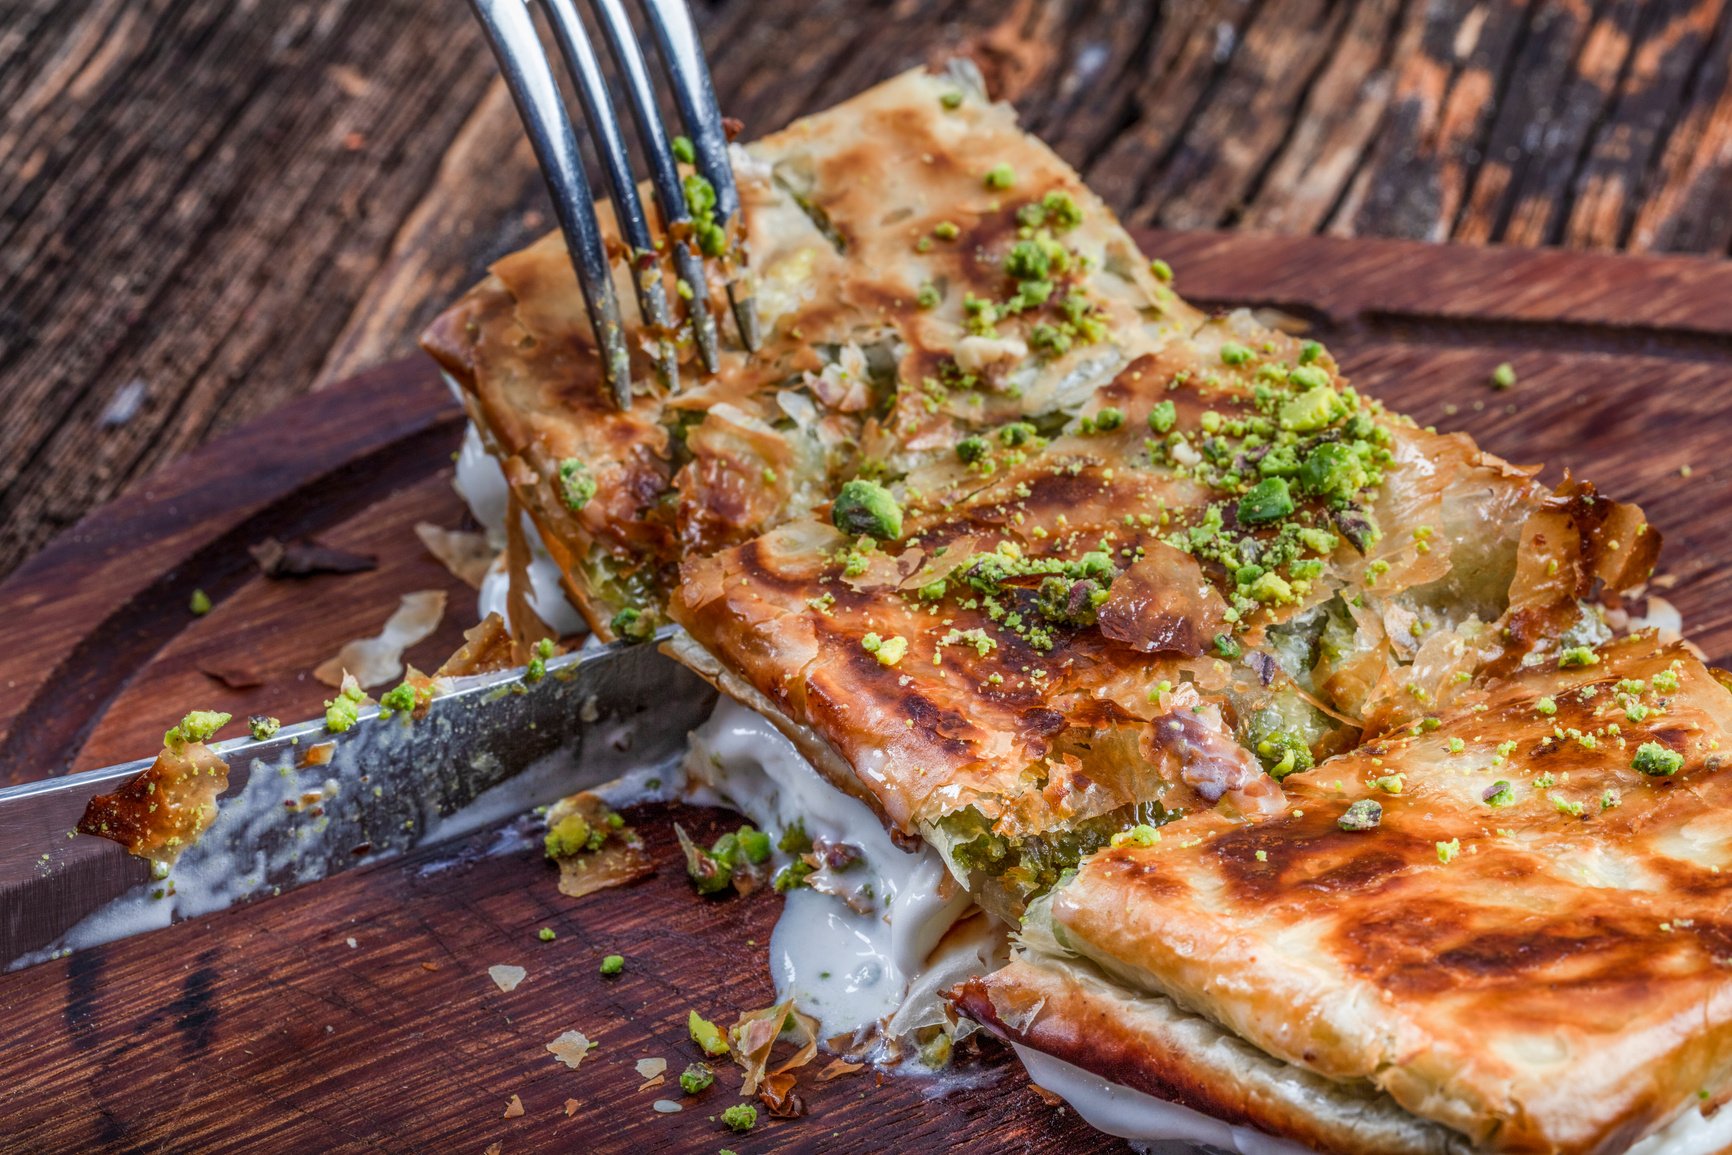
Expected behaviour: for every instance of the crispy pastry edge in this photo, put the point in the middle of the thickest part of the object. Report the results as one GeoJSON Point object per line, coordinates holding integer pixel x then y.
{"type": "Point", "coordinates": [1148, 1044]}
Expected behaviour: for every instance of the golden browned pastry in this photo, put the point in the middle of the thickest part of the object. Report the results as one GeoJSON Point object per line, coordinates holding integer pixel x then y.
{"type": "Point", "coordinates": [1295, 739]}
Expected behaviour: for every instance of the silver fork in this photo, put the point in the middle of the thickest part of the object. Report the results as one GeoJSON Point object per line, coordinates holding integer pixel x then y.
{"type": "Point", "coordinates": [534, 88]}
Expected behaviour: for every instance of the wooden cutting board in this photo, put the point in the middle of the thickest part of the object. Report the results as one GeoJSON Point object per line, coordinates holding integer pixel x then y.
{"type": "Point", "coordinates": [357, 1014]}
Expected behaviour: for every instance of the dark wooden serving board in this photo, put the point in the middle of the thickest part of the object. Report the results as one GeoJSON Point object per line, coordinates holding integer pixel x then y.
{"type": "Point", "coordinates": [262, 1029]}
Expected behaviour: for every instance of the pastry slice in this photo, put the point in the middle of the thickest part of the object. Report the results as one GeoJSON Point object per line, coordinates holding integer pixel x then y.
{"type": "Point", "coordinates": [1067, 1009]}
{"type": "Point", "coordinates": [1510, 920]}
{"type": "Point", "coordinates": [921, 267]}
{"type": "Point", "coordinates": [1227, 568]}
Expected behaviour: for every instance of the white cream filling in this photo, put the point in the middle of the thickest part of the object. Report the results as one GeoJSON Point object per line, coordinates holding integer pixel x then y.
{"type": "Point", "coordinates": [481, 484]}
{"type": "Point", "coordinates": [1131, 1114]}
{"type": "Point", "coordinates": [1691, 1133]}
{"type": "Point", "coordinates": [850, 970]}
{"type": "Point", "coordinates": [1119, 1110]}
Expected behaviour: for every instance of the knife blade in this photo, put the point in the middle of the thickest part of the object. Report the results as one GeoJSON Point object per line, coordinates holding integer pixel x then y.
{"type": "Point", "coordinates": [306, 803]}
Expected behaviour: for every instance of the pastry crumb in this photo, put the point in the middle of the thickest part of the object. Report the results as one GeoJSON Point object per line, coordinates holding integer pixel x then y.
{"type": "Point", "coordinates": [506, 978]}
{"type": "Point", "coordinates": [570, 1048]}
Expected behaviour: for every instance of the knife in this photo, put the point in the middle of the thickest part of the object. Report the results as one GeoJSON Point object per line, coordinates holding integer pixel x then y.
{"type": "Point", "coordinates": [307, 803]}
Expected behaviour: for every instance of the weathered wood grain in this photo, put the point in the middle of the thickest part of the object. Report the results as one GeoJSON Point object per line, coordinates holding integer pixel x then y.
{"type": "Point", "coordinates": [206, 208]}
{"type": "Point", "coordinates": [1687, 206]}
{"type": "Point", "coordinates": [264, 1029]}
{"type": "Point", "coordinates": [261, 1028]}
{"type": "Point", "coordinates": [1675, 40]}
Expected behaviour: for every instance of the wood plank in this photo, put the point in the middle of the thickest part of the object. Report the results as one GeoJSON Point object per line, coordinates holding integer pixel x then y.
{"type": "Point", "coordinates": [1689, 205]}
{"type": "Point", "coordinates": [1329, 141]}
{"type": "Point", "coordinates": [1547, 174]}
{"type": "Point", "coordinates": [1675, 41]}
{"type": "Point", "coordinates": [261, 1027]}
{"type": "Point", "coordinates": [87, 616]}
{"type": "Point", "coordinates": [1219, 162]}
{"type": "Point", "coordinates": [1534, 137]}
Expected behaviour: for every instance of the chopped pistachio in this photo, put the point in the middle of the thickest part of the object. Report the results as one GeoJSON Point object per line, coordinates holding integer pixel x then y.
{"type": "Point", "coordinates": [262, 726]}
{"type": "Point", "coordinates": [946, 230]}
{"type": "Point", "coordinates": [706, 1034]}
{"type": "Point", "coordinates": [1233, 353]}
{"type": "Point", "coordinates": [1546, 706]}
{"type": "Point", "coordinates": [929, 296]}
{"type": "Point", "coordinates": [1107, 419]}
{"type": "Point", "coordinates": [754, 844]}
{"type": "Point", "coordinates": [1333, 471]}
{"type": "Point", "coordinates": [1311, 410]}
{"type": "Point", "coordinates": [199, 603]}
{"type": "Point", "coordinates": [612, 965]}
{"type": "Point", "coordinates": [712, 238]}
{"type": "Point", "coordinates": [1656, 760]}
{"type": "Point", "coordinates": [197, 726]}
{"type": "Point", "coordinates": [401, 700]}
{"type": "Point", "coordinates": [1267, 501]}
{"type": "Point", "coordinates": [1283, 752]}
{"type": "Point", "coordinates": [740, 1117]}
{"type": "Point", "coordinates": [1141, 834]}
{"type": "Point", "coordinates": [1578, 656]}
{"type": "Point", "coordinates": [790, 876]}
{"type": "Point", "coordinates": [683, 150]}
{"type": "Point", "coordinates": [1271, 588]}
{"type": "Point", "coordinates": [632, 625]}
{"type": "Point", "coordinates": [865, 507]}
{"type": "Point", "coordinates": [794, 839]}
{"type": "Point", "coordinates": [1163, 416]}
{"type": "Point", "coordinates": [999, 176]}
{"type": "Point", "coordinates": [1500, 794]}
{"type": "Point", "coordinates": [696, 1077]}
{"type": "Point", "coordinates": [343, 711]}
{"type": "Point", "coordinates": [951, 101]}
{"type": "Point", "coordinates": [546, 934]}
{"type": "Point", "coordinates": [1163, 272]}
{"type": "Point", "coordinates": [888, 651]}
{"type": "Point", "coordinates": [576, 486]}
{"type": "Point", "coordinates": [570, 835]}
{"type": "Point", "coordinates": [710, 872]}
{"type": "Point", "coordinates": [1365, 814]}
{"type": "Point", "coordinates": [1504, 376]}
{"type": "Point", "coordinates": [1446, 851]}
{"type": "Point", "coordinates": [1060, 210]}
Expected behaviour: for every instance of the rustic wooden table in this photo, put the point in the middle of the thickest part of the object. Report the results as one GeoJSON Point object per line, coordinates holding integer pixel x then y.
{"type": "Point", "coordinates": [208, 207]}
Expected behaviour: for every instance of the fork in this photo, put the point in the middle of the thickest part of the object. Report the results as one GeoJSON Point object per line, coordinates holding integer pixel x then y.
{"type": "Point", "coordinates": [529, 75]}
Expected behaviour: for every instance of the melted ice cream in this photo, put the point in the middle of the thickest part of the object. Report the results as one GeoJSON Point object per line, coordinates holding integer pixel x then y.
{"type": "Point", "coordinates": [848, 969]}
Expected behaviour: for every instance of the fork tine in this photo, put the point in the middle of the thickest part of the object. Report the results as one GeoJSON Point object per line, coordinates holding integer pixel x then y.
{"type": "Point", "coordinates": [683, 54]}
{"type": "Point", "coordinates": [511, 34]}
{"type": "Point", "coordinates": [664, 170]}
{"type": "Point", "coordinates": [652, 301]}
